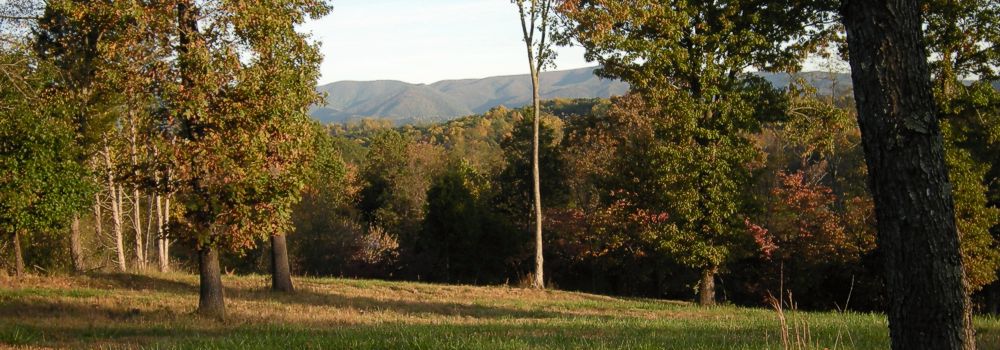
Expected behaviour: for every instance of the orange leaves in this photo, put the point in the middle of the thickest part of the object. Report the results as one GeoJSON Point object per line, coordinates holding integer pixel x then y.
{"type": "Point", "coordinates": [804, 223]}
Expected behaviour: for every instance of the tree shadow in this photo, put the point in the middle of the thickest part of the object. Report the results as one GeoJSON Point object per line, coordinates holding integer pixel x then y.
{"type": "Point", "coordinates": [138, 282]}
{"type": "Point", "coordinates": [309, 297]}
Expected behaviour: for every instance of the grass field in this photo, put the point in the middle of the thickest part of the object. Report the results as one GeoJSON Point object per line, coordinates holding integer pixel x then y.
{"type": "Point", "coordinates": [155, 311]}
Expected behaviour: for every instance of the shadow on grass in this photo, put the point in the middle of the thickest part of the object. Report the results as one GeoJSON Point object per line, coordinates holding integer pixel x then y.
{"type": "Point", "coordinates": [137, 282]}
{"type": "Point", "coordinates": [306, 297]}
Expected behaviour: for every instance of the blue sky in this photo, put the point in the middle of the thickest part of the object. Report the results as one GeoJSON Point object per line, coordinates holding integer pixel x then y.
{"type": "Point", "coordinates": [423, 41]}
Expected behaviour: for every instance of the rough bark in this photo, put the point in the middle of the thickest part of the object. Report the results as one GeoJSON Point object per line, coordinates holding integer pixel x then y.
{"type": "Point", "coordinates": [281, 277]}
{"type": "Point", "coordinates": [210, 297]}
{"type": "Point", "coordinates": [76, 245]}
{"type": "Point", "coordinates": [908, 176]}
{"type": "Point", "coordinates": [18, 255]}
{"type": "Point", "coordinates": [706, 289]}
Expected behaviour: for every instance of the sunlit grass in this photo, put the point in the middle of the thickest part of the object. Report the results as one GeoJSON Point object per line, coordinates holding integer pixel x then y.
{"type": "Point", "coordinates": [155, 311]}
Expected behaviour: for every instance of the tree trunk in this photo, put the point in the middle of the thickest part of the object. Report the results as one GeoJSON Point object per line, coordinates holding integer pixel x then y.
{"type": "Point", "coordinates": [117, 225]}
{"type": "Point", "coordinates": [536, 181]}
{"type": "Point", "coordinates": [909, 181]}
{"type": "Point", "coordinates": [149, 232]}
{"type": "Point", "coordinates": [114, 191]}
{"type": "Point", "coordinates": [706, 289]}
{"type": "Point", "coordinates": [75, 245]}
{"type": "Point", "coordinates": [140, 249]}
{"type": "Point", "coordinates": [281, 277]}
{"type": "Point", "coordinates": [536, 62]}
{"type": "Point", "coordinates": [210, 298]}
{"type": "Point", "coordinates": [18, 256]}
{"type": "Point", "coordinates": [161, 256]}
{"type": "Point", "coordinates": [98, 217]}
{"type": "Point", "coordinates": [166, 235]}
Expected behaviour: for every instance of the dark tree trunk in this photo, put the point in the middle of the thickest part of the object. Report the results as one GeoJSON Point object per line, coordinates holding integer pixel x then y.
{"type": "Point", "coordinates": [281, 277]}
{"type": "Point", "coordinates": [75, 245]}
{"type": "Point", "coordinates": [706, 289]}
{"type": "Point", "coordinates": [18, 256]}
{"type": "Point", "coordinates": [210, 299]}
{"type": "Point", "coordinates": [908, 177]}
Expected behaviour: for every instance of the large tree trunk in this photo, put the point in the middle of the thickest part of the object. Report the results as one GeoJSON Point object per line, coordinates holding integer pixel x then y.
{"type": "Point", "coordinates": [706, 289]}
{"type": "Point", "coordinates": [210, 298]}
{"type": "Point", "coordinates": [281, 277]}
{"type": "Point", "coordinates": [18, 255]}
{"type": "Point", "coordinates": [76, 245]}
{"type": "Point", "coordinates": [909, 179]}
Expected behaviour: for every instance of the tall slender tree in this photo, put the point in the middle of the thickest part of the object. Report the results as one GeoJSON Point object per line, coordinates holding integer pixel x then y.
{"type": "Point", "coordinates": [903, 147]}
{"type": "Point", "coordinates": [535, 25]}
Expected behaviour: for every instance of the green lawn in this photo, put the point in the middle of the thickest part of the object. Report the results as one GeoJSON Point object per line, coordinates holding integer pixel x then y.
{"type": "Point", "coordinates": [155, 311]}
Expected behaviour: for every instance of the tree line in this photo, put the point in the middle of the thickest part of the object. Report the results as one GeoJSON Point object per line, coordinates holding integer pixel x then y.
{"type": "Point", "coordinates": [133, 125]}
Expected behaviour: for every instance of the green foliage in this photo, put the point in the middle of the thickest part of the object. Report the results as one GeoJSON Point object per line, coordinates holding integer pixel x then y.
{"type": "Point", "coordinates": [688, 60]}
{"type": "Point", "coordinates": [459, 223]}
{"type": "Point", "coordinates": [41, 182]}
{"type": "Point", "coordinates": [515, 179]}
{"type": "Point", "coordinates": [237, 95]}
{"type": "Point", "coordinates": [702, 47]}
{"type": "Point", "coordinates": [975, 216]}
{"type": "Point", "coordinates": [327, 229]}
{"type": "Point", "coordinates": [962, 38]}
{"type": "Point", "coordinates": [396, 176]}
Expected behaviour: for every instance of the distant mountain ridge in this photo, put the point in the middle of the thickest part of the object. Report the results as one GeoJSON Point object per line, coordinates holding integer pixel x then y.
{"type": "Point", "coordinates": [406, 103]}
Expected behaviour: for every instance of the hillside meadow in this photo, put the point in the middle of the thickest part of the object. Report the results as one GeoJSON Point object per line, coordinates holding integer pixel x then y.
{"type": "Point", "coordinates": [156, 311]}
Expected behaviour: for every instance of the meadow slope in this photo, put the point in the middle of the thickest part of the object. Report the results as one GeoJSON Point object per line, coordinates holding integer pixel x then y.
{"type": "Point", "coordinates": [155, 311]}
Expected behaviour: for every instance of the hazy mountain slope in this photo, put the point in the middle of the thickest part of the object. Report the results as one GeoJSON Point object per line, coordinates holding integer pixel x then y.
{"type": "Point", "coordinates": [409, 103]}
{"type": "Point", "coordinates": [480, 95]}
{"type": "Point", "coordinates": [404, 102]}
{"type": "Point", "coordinates": [394, 100]}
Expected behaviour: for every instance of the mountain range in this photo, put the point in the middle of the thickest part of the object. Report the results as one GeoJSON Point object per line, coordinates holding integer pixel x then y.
{"type": "Point", "coordinates": [406, 103]}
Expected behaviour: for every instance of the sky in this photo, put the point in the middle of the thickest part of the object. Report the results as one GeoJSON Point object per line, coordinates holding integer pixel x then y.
{"type": "Point", "coordinates": [424, 41]}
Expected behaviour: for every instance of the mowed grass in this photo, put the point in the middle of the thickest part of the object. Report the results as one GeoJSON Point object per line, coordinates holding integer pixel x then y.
{"type": "Point", "coordinates": [156, 311]}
